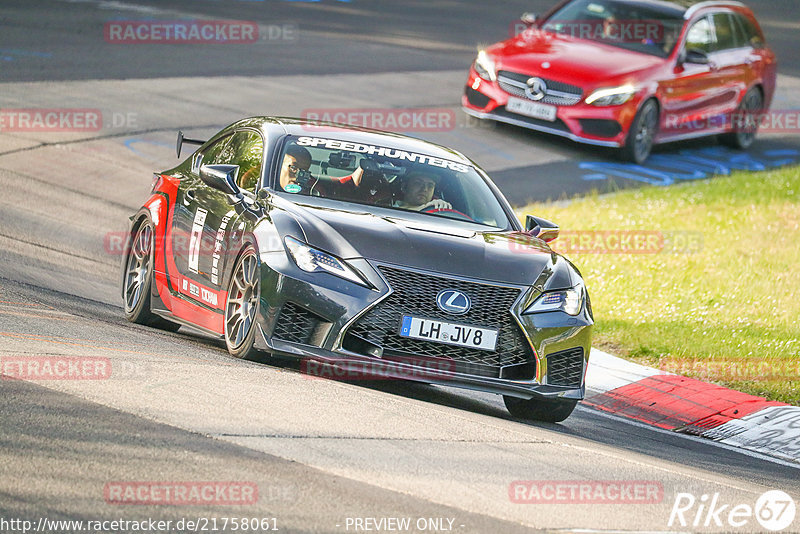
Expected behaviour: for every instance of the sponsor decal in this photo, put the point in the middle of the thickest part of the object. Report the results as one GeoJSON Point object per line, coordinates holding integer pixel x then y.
{"type": "Point", "coordinates": [196, 238]}
{"type": "Point", "coordinates": [208, 296]}
{"type": "Point", "coordinates": [335, 144]}
{"type": "Point", "coordinates": [293, 188]}
{"type": "Point", "coordinates": [218, 244]}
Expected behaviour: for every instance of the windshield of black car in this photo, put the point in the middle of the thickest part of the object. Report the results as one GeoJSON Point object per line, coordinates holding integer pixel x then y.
{"type": "Point", "coordinates": [388, 177]}
{"type": "Point", "coordinates": [628, 25]}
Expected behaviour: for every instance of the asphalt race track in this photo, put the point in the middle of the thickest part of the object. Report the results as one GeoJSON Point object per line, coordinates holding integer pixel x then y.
{"type": "Point", "coordinates": [326, 456]}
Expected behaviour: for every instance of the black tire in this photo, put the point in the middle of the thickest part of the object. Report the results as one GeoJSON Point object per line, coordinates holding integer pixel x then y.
{"type": "Point", "coordinates": [642, 133]}
{"type": "Point", "coordinates": [744, 133]}
{"type": "Point", "coordinates": [241, 305]}
{"type": "Point", "coordinates": [138, 279]}
{"type": "Point", "coordinates": [539, 409]}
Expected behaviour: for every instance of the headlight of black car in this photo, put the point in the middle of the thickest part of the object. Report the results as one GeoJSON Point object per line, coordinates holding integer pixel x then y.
{"type": "Point", "coordinates": [567, 300]}
{"type": "Point", "coordinates": [313, 260]}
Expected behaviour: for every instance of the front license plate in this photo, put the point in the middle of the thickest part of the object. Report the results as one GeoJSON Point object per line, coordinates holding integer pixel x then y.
{"type": "Point", "coordinates": [537, 110]}
{"type": "Point", "coordinates": [449, 333]}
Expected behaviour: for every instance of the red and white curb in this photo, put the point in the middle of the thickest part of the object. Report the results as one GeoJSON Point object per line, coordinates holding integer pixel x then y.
{"type": "Point", "coordinates": [690, 406]}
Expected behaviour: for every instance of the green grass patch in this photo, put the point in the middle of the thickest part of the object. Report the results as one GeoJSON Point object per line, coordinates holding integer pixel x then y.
{"type": "Point", "coordinates": [711, 289]}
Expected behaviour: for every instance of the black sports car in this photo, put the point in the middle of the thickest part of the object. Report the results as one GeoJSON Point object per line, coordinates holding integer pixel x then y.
{"type": "Point", "coordinates": [362, 251]}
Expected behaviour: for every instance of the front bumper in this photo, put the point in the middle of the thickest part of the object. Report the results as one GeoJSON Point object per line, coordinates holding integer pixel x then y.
{"type": "Point", "coordinates": [581, 122]}
{"type": "Point", "coordinates": [310, 316]}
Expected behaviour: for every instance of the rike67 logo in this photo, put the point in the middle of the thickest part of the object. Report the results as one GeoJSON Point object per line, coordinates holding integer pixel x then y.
{"type": "Point", "coordinates": [774, 510]}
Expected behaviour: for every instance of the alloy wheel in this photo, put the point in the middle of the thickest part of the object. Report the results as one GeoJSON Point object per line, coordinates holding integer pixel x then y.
{"type": "Point", "coordinates": [137, 266]}
{"type": "Point", "coordinates": [242, 303]}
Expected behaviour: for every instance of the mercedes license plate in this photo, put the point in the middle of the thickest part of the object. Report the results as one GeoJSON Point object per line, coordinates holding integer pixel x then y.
{"type": "Point", "coordinates": [537, 110]}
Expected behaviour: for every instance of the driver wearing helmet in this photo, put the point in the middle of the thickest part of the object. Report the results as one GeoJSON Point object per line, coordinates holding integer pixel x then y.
{"type": "Point", "coordinates": [416, 193]}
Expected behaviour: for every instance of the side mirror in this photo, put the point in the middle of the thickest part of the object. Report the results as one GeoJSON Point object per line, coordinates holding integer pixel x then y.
{"type": "Point", "coordinates": [221, 178]}
{"type": "Point", "coordinates": [529, 19]}
{"type": "Point", "coordinates": [695, 56]}
{"type": "Point", "coordinates": [542, 228]}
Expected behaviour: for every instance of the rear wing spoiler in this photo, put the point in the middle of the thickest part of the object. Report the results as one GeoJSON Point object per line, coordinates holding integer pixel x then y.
{"type": "Point", "coordinates": [182, 139]}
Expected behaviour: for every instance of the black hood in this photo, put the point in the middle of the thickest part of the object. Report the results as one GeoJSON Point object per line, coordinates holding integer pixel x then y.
{"type": "Point", "coordinates": [432, 243]}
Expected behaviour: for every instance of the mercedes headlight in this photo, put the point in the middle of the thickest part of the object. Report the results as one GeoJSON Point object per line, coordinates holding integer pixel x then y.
{"type": "Point", "coordinates": [484, 66]}
{"type": "Point", "coordinates": [566, 300]}
{"type": "Point", "coordinates": [312, 260]}
{"type": "Point", "coordinates": [613, 96]}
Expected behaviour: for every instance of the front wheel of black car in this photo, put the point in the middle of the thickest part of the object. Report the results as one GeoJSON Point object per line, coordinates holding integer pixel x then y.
{"type": "Point", "coordinates": [138, 278]}
{"type": "Point", "coordinates": [642, 134]}
{"type": "Point", "coordinates": [241, 306]}
{"type": "Point", "coordinates": [538, 409]}
{"type": "Point", "coordinates": [745, 121]}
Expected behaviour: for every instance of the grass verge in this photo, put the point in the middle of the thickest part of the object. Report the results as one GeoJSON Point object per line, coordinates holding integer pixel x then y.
{"type": "Point", "coordinates": [701, 279]}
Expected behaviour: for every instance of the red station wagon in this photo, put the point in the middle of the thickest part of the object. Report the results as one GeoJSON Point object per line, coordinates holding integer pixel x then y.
{"type": "Point", "coordinates": [629, 74]}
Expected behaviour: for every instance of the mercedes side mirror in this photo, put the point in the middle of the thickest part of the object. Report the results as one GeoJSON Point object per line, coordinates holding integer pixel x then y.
{"type": "Point", "coordinates": [529, 19]}
{"type": "Point", "coordinates": [695, 56]}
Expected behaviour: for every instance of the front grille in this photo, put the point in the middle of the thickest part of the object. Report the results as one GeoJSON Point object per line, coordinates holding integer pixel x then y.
{"type": "Point", "coordinates": [558, 93]}
{"type": "Point", "coordinates": [565, 368]}
{"type": "Point", "coordinates": [296, 324]}
{"type": "Point", "coordinates": [415, 294]}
